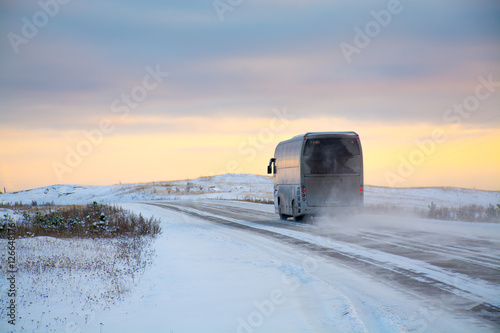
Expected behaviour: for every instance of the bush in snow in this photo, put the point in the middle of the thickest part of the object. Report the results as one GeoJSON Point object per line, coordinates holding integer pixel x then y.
{"type": "Point", "coordinates": [468, 213]}
{"type": "Point", "coordinates": [492, 213]}
{"type": "Point", "coordinates": [91, 221]}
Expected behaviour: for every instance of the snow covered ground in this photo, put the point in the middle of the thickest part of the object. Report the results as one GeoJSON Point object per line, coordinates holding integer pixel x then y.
{"type": "Point", "coordinates": [230, 186]}
{"type": "Point", "coordinates": [239, 187]}
{"type": "Point", "coordinates": [228, 266]}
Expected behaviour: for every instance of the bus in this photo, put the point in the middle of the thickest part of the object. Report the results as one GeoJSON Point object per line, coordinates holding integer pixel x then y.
{"type": "Point", "coordinates": [316, 173]}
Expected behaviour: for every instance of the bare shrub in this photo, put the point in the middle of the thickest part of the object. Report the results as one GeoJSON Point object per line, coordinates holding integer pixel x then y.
{"type": "Point", "coordinates": [91, 221]}
{"type": "Point", "coordinates": [467, 213]}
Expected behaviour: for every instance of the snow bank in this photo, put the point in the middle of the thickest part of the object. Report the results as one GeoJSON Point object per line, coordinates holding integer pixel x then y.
{"type": "Point", "coordinates": [421, 197]}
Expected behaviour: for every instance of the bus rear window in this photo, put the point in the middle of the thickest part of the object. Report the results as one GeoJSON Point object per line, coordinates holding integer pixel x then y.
{"type": "Point", "coordinates": [332, 156]}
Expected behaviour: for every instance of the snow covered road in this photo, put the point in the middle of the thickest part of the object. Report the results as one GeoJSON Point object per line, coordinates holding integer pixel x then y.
{"type": "Point", "coordinates": [394, 273]}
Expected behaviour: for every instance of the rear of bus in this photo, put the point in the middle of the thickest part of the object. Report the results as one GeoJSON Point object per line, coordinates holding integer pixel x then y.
{"type": "Point", "coordinates": [332, 173]}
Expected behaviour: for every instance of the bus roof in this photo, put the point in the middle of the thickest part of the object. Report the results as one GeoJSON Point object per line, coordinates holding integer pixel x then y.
{"type": "Point", "coordinates": [323, 134]}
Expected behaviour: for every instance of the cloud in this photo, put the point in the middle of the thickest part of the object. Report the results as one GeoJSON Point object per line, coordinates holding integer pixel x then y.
{"type": "Point", "coordinates": [263, 55]}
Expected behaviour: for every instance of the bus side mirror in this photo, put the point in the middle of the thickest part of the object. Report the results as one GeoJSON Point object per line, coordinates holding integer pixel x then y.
{"type": "Point", "coordinates": [271, 168]}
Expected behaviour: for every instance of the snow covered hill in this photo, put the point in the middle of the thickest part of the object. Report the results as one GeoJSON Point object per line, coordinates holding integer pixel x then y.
{"type": "Point", "coordinates": [239, 187]}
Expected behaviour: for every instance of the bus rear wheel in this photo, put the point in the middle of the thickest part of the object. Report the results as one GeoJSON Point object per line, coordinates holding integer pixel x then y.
{"type": "Point", "coordinates": [296, 216]}
{"type": "Point", "coordinates": [283, 217]}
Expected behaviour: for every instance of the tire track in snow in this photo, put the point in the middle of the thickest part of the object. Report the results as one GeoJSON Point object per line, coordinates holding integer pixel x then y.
{"type": "Point", "coordinates": [419, 282]}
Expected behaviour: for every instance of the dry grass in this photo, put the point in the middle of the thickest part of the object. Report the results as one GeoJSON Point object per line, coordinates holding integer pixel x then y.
{"type": "Point", "coordinates": [90, 221]}
{"type": "Point", "coordinates": [98, 252]}
{"type": "Point", "coordinates": [256, 200]}
{"type": "Point", "coordinates": [100, 271]}
{"type": "Point", "coordinates": [166, 189]}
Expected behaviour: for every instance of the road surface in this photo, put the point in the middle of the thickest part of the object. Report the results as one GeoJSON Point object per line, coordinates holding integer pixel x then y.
{"type": "Point", "coordinates": [419, 272]}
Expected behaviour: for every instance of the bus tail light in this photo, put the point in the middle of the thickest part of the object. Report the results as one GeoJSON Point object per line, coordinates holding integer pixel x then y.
{"type": "Point", "coordinates": [303, 192]}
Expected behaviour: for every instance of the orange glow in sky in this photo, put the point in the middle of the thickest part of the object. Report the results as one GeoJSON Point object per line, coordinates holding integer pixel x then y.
{"type": "Point", "coordinates": [405, 156]}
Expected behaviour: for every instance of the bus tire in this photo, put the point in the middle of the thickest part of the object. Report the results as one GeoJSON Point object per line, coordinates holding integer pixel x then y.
{"type": "Point", "coordinates": [283, 217]}
{"type": "Point", "coordinates": [296, 216]}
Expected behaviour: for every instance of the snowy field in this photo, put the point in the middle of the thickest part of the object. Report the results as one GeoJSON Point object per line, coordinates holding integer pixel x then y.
{"type": "Point", "coordinates": [239, 187]}
{"type": "Point", "coordinates": [222, 265]}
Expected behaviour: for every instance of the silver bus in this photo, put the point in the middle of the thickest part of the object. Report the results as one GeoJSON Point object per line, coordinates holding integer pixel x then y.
{"type": "Point", "coordinates": [316, 173]}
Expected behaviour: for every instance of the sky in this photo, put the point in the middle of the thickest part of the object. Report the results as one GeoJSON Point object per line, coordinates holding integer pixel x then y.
{"type": "Point", "coordinates": [106, 92]}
